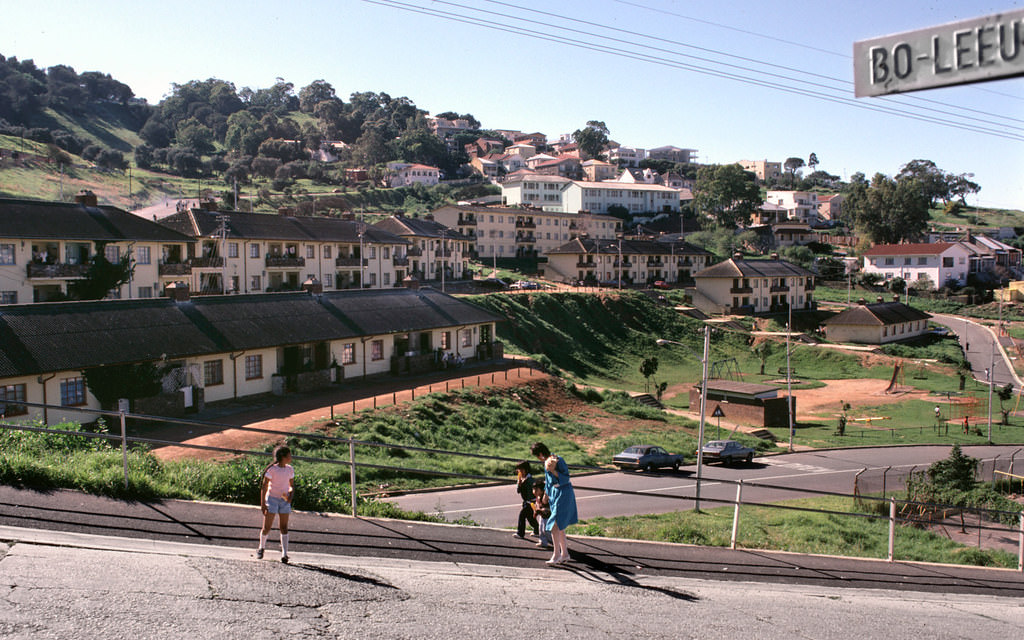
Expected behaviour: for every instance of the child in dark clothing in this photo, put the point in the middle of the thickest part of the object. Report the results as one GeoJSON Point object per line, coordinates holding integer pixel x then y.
{"type": "Point", "coordinates": [524, 486]}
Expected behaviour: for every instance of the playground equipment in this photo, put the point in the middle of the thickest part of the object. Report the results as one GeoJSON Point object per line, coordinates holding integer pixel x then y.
{"type": "Point", "coordinates": [897, 379]}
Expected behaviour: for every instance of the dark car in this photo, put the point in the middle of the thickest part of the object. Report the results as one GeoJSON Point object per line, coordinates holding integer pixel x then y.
{"type": "Point", "coordinates": [727, 452]}
{"type": "Point", "coordinates": [647, 457]}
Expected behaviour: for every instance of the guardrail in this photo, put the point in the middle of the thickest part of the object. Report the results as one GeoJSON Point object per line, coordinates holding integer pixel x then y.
{"type": "Point", "coordinates": [899, 511]}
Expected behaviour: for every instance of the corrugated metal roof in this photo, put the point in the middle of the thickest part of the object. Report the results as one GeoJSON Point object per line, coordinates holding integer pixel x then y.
{"type": "Point", "coordinates": [877, 314]}
{"type": "Point", "coordinates": [68, 221]}
{"type": "Point", "coordinates": [71, 336]}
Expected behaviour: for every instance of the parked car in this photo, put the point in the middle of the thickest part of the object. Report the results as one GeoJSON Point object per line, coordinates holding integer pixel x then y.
{"type": "Point", "coordinates": [492, 283]}
{"type": "Point", "coordinates": [647, 457]}
{"type": "Point", "coordinates": [727, 452]}
{"type": "Point", "coordinates": [660, 284]}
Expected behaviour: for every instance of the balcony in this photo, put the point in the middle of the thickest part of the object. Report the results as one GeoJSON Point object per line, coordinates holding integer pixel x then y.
{"type": "Point", "coordinates": [414, 252]}
{"type": "Point", "coordinates": [655, 263]}
{"type": "Point", "coordinates": [810, 286]}
{"type": "Point", "coordinates": [284, 262]}
{"type": "Point", "coordinates": [586, 265]}
{"type": "Point", "coordinates": [174, 269]}
{"type": "Point", "coordinates": [55, 271]}
{"type": "Point", "coordinates": [528, 239]}
{"type": "Point", "coordinates": [741, 290]}
{"type": "Point", "coordinates": [525, 224]}
{"type": "Point", "coordinates": [347, 262]}
{"type": "Point", "coordinates": [467, 222]}
{"type": "Point", "coordinates": [400, 261]}
{"type": "Point", "coordinates": [685, 262]}
{"type": "Point", "coordinates": [626, 264]}
{"type": "Point", "coordinates": [779, 288]}
{"type": "Point", "coordinates": [206, 263]}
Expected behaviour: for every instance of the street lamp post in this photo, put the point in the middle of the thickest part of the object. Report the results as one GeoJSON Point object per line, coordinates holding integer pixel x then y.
{"type": "Point", "coordinates": [703, 405]}
{"type": "Point", "coordinates": [789, 371]}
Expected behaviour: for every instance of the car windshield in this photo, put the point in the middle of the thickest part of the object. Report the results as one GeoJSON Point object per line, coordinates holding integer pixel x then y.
{"type": "Point", "coordinates": [634, 450]}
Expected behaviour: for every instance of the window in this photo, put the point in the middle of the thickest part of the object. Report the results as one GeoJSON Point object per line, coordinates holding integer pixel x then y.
{"type": "Point", "coordinates": [142, 255]}
{"type": "Point", "coordinates": [213, 372]}
{"type": "Point", "coordinates": [253, 367]}
{"type": "Point", "coordinates": [906, 261]}
{"type": "Point", "coordinates": [254, 250]}
{"type": "Point", "coordinates": [446, 340]}
{"type": "Point", "coordinates": [889, 261]}
{"type": "Point", "coordinates": [310, 251]}
{"type": "Point", "coordinates": [6, 254]}
{"type": "Point", "coordinates": [8, 297]}
{"type": "Point", "coordinates": [9, 396]}
{"type": "Point", "coordinates": [466, 338]}
{"type": "Point", "coordinates": [72, 392]}
{"type": "Point", "coordinates": [232, 249]}
{"type": "Point", "coordinates": [373, 252]}
{"type": "Point", "coordinates": [327, 251]}
{"type": "Point", "coordinates": [387, 253]}
{"type": "Point", "coordinates": [348, 353]}
{"type": "Point", "coordinates": [377, 350]}
{"type": "Point", "coordinates": [373, 279]}
{"type": "Point", "coordinates": [112, 253]}
{"type": "Point", "coordinates": [328, 279]}
{"type": "Point", "coordinates": [922, 260]}
{"type": "Point", "coordinates": [387, 279]}
{"type": "Point", "coordinates": [254, 283]}
{"type": "Point", "coordinates": [947, 262]}
{"type": "Point", "coordinates": [145, 292]}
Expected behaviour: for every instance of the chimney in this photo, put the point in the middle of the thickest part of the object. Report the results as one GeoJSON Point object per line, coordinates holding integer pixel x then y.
{"type": "Point", "coordinates": [86, 198]}
{"type": "Point", "coordinates": [861, 301]}
{"type": "Point", "coordinates": [411, 282]}
{"type": "Point", "coordinates": [879, 299]}
{"type": "Point", "coordinates": [895, 297]}
{"type": "Point", "coordinates": [313, 286]}
{"type": "Point", "coordinates": [178, 291]}
{"type": "Point", "coordinates": [285, 211]}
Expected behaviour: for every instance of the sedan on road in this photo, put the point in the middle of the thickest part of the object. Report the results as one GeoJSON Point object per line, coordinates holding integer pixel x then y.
{"type": "Point", "coordinates": [727, 452]}
{"type": "Point", "coordinates": [647, 457]}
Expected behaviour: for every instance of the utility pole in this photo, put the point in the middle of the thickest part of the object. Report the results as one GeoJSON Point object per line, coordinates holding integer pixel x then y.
{"type": "Point", "coordinates": [442, 260]}
{"type": "Point", "coordinates": [222, 218]}
{"type": "Point", "coordinates": [703, 413]}
{"type": "Point", "coordinates": [789, 369]}
{"type": "Point", "coordinates": [620, 263]}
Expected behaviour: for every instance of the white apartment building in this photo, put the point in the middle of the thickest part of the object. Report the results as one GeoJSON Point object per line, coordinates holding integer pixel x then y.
{"type": "Point", "coordinates": [801, 206]}
{"type": "Point", "coordinates": [257, 252]}
{"type": "Point", "coordinates": [45, 247]}
{"type": "Point", "coordinates": [628, 157]}
{"type": "Point", "coordinates": [554, 193]}
{"type": "Point", "coordinates": [434, 248]}
{"type": "Point", "coordinates": [936, 262]}
{"type": "Point", "coordinates": [763, 169]}
{"type": "Point", "coordinates": [503, 232]}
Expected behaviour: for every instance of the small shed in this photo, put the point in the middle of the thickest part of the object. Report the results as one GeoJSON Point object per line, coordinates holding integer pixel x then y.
{"type": "Point", "coordinates": [877, 323]}
{"type": "Point", "coordinates": [745, 402]}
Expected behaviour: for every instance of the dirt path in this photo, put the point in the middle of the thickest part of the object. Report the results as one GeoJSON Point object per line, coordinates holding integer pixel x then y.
{"type": "Point", "coordinates": [861, 392]}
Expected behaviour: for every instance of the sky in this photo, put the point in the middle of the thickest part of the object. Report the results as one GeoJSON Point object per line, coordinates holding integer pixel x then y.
{"type": "Point", "coordinates": [635, 65]}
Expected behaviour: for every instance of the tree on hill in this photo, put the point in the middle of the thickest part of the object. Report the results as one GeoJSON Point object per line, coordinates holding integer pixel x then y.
{"type": "Point", "coordinates": [591, 139]}
{"type": "Point", "coordinates": [791, 165]}
{"type": "Point", "coordinates": [314, 93]}
{"type": "Point", "coordinates": [727, 194]}
{"type": "Point", "coordinates": [888, 210]}
{"type": "Point", "coordinates": [452, 115]}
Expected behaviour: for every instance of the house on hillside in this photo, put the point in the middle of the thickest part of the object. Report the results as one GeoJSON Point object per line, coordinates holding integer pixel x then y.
{"type": "Point", "coordinates": [406, 175]}
{"type": "Point", "coordinates": [746, 287]}
{"type": "Point", "coordinates": [877, 323]}
{"type": "Point", "coordinates": [935, 263]}
{"type": "Point", "coordinates": [633, 261]}
{"type": "Point", "coordinates": [434, 248]}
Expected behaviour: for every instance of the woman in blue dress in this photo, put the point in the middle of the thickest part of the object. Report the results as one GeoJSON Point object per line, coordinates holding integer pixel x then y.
{"type": "Point", "coordinates": [563, 500]}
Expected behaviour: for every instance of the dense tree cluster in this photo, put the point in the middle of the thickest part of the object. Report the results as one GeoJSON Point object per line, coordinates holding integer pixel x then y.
{"type": "Point", "coordinates": [888, 210]}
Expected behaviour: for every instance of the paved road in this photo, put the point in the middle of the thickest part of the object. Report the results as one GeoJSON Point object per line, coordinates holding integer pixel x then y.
{"type": "Point", "coordinates": [174, 521]}
{"type": "Point", "coordinates": [832, 470]}
{"type": "Point", "coordinates": [980, 348]}
{"type": "Point", "coordinates": [56, 586]}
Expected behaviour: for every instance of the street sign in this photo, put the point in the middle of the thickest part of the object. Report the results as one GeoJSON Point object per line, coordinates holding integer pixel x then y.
{"type": "Point", "coordinates": [975, 50]}
{"type": "Point", "coordinates": [718, 412]}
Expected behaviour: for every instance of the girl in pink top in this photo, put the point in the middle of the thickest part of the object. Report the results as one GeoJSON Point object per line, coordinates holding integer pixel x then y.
{"type": "Point", "coordinates": [276, 495]}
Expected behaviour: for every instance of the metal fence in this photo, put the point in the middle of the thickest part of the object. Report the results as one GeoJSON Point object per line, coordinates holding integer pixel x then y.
{"type": "Point", "coordinates": [872, 487]}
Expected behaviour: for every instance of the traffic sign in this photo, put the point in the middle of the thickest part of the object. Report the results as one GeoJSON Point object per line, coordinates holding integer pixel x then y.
{"type": "Point", "coordinates": [976, 50]}
{"type": "Point", "coordinates": [718, 412]}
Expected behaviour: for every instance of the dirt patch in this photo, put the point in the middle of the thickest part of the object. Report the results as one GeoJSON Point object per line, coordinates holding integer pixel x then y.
{"type": "Point", "coordinates": [826, 401]}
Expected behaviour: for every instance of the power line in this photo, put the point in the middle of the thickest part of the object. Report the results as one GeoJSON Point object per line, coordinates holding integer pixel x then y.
{"type": "Point", "coordinates": [646, 57]}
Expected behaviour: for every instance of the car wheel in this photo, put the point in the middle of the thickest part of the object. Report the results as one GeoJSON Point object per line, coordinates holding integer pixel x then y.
{"type": "Point", "coordinates": [649, 468]}
{"type": "Point", "coordinates": [675, 467]}
{"type": "Point", "coordinates": [750, 458]}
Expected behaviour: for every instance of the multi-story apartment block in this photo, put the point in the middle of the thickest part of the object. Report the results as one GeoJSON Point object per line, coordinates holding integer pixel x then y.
{"type": "Point", "coordinates": [628, 157]}
{"type": "Point", "coordinates": [503, 232]}
{"type": "Point", "coordinates": [553, 193]}
{"type": "Point", "coordinates": [937, 262]}
{"type": "Point", "coordinates": [629, 261]}
{"type": "Point", "coordinates": [802, 206]}
{"type": "Point", "coordinates": [672, 154]}
{"type": "Point", "coordinates": [747, 287]}
{"type": "Point", "coordinates": [598, 171]}
{"type": "Point", "coordinates": [830, 207]}
{"type": "Point", "coordinates": [763, 169]}
{"type": "Point", "coordinates": [47, 246]}
{"type": "Point", "coordinates": [434, 248]}
{"type": "Point", "coordinates": [256, 252]}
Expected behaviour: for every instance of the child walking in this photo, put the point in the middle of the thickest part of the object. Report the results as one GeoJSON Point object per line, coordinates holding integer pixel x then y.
{"type": "Point", "coordinates": [542, 509]}
{"type": "Point", "coordinates": [276, 495]}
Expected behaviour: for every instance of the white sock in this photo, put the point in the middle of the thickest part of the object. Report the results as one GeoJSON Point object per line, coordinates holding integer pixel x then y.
{"type": "Point", "coordinates": [284, 544]}
{"type": "Point", "coordinates": [263, 540]}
